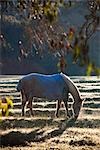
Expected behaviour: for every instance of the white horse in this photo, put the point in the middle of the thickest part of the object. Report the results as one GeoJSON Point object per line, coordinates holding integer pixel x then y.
{"type": "Point", "coordinates": [56, 86]}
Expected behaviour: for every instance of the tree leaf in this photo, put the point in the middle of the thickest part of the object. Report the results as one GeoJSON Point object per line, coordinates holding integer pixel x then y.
{"type": "Point", "coordinates": [89, 69]}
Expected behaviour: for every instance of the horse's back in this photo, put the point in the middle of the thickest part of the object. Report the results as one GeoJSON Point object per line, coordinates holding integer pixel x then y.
{"type": "Point", "coordinates": [48, 79]}
{"type": "Point", "coordinates": [42, 76]}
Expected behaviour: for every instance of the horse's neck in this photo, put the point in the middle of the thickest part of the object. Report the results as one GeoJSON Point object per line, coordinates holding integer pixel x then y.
{"type": "Point", "coordinates": [72, 88]}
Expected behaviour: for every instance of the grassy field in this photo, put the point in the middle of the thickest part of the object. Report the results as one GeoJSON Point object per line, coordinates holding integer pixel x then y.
{"type": "Point", "coordinates": [44, 131]}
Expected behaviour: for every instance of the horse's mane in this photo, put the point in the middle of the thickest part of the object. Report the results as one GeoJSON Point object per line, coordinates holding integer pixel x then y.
{"type": "Point", "coordinates": [71, 86]}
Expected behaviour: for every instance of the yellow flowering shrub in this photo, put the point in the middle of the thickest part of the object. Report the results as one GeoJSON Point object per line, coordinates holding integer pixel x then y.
{"type": "Point", "coordinates": [5, 104]}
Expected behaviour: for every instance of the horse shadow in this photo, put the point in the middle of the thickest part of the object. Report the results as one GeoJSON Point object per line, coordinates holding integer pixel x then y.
{"type": "Point", "coordinates": [17, 138]}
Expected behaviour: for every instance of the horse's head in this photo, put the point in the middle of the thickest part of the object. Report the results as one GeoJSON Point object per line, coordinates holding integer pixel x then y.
{"type": "Point", "coordinates": [77, 106]}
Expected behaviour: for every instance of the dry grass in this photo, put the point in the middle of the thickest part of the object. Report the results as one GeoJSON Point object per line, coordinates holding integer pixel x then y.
{"type": "Point", "coordinates": [44, 131]}
{"type": "Point", "coordinates": [49, 134]}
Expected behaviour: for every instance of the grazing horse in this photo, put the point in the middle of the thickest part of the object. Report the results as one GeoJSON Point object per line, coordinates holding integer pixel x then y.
{"type": "Point", "coordinates": [56, 86]}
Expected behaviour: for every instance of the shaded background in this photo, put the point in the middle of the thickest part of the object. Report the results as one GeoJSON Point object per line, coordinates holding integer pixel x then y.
{"type": "Point", "coordinates": [9, 63]}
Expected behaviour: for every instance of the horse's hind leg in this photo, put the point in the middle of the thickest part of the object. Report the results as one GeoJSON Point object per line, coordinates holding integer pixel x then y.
{"type": "Point", "coordinates": [23, 105]}
{"type": "Point", "coordinates": [31, 111]}
{"type": "Point", "coordinates": [29, 105]}
{"type": "Point", "coordinates": [58, 107]}
{"type": "Point", "coordinates": [23, 102]}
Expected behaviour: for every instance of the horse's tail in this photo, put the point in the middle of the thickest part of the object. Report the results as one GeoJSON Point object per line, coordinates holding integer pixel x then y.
{"type": "Point", "coordinates": [19, 86]}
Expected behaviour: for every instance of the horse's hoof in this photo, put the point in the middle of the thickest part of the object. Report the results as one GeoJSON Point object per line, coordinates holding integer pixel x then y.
{"type": "Point", "coordinates": [67, 117]}
{"type": "Point", "coordinates": [56, 115]}
{"type": "Point", "coordinates": [28, 105]}
{"type": "Point", "coordinates": [75, 117]}
{"type": "Point", "coordinates": [32, 115]}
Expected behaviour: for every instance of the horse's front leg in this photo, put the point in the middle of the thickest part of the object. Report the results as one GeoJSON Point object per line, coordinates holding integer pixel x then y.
{"type": "Point", "coordinates": [66, 106]}
{"type": "Point", "coordinates": [58, 107]}
{"type": "Point", "coordinates": [65, 100]}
